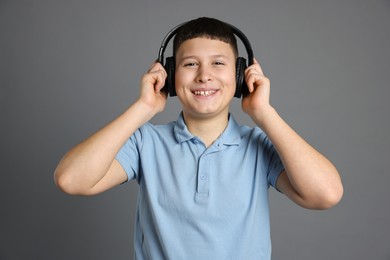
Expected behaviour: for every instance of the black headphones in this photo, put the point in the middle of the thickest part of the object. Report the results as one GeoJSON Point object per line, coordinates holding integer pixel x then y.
{"type": "Point", "coordinates": [241, 87]}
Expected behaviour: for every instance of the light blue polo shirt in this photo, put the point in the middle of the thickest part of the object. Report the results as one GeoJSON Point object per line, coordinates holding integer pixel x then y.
{"type": "Point", "coordinates": [201, 203]}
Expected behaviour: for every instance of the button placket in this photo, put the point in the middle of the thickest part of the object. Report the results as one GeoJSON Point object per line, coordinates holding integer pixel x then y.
{"type": "Point", "coordinates": [203, 176]}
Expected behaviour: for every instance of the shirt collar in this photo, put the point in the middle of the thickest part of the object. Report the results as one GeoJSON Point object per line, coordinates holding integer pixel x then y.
{"type": "Point", "coordinates": [230, 136]}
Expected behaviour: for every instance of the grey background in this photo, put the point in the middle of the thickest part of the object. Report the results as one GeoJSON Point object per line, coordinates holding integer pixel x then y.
{"type": "Point", "coordinates": [69, 67]}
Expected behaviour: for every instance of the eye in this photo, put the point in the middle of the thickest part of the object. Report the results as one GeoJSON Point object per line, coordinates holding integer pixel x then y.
{"type": "Point", "coordinates": [219, 63]}
{"type": "Point", "coordinates": [190, 64]}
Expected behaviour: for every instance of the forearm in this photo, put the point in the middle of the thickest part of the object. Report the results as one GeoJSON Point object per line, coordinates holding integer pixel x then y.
{"type": "Point", "coordinates": [88, 162]}
{"type": "Point", "coordinates": [312, 176]}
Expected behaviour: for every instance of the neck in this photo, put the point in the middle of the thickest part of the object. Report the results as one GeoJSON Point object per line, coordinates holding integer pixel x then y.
{"type": "Point", "coordinates": [208, 130]}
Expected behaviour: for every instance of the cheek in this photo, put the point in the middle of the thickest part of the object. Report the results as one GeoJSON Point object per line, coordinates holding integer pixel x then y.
{"type": "Point", "coordinates": [230, 79]}
{"type": "Point", "coordinates": [230, 83]}
{"type": "Point", "coordinates": [181, 79]}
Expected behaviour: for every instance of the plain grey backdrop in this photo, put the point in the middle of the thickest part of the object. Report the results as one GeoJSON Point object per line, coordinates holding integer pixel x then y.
{"type": "Point", "coordinates": [69, 67]}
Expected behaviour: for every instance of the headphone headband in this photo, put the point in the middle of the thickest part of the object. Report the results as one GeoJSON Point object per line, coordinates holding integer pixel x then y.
{"type": "Point", "coordinates": [235, 30]}
{"type": "Point", "coordinates": [166, 40]}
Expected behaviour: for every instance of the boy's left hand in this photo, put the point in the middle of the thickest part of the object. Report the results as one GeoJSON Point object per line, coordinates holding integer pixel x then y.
{"type": "Point", "coordinates": [256, 102]}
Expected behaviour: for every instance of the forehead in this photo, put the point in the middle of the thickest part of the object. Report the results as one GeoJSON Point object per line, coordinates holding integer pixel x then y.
{"type": "Point", "coordinates": [204, 46]}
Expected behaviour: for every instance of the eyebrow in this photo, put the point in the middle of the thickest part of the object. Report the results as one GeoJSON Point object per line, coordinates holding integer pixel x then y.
{"type": "Point", "coordinates": [216, 56]}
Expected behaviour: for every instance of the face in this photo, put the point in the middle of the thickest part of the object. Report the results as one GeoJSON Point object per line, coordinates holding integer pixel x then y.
{"type": "Point", "coordinates": [205, 78]}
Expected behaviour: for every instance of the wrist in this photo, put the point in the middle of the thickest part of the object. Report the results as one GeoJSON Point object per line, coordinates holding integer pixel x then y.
{"type": "Point", "coordinates": [140, 112]}
{"type": "Point", "coordinates": [264, 116]}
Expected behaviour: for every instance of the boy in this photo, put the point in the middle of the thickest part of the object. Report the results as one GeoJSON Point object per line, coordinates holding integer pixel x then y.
{"type": "Point", "coordinates": [203, 178]}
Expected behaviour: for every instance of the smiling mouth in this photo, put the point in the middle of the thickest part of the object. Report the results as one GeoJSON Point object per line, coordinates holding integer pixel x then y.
{"type": "Point", "coordinates": [204, 93]}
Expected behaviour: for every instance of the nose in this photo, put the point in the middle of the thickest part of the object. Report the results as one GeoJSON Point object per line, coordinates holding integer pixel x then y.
{"type": "Point", "coordinates": [203, 75]}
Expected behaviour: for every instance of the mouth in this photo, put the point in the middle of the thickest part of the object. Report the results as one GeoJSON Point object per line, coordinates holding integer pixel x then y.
{"type": "Point", "coordinates": [204, 93]}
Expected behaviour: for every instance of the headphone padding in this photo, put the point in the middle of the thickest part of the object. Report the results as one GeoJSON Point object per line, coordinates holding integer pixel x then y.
{"type": "Point", "coordinates": [241, 87]}
{"type": "Point", "coordinates": [170, 80]}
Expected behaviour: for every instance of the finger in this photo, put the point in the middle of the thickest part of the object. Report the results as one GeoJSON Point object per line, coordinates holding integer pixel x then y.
{"type": "Point", "coordinates": [154, 80]}
{"type": "Point", "coordinates": [156, 66]}
{"type": "Point", "coordinates": [257, 65]}
{"type": "Point", "coordinates": [250, 79]}
{"type": "Point", "coordinates": [152, 66]}
{"type": "Point", "coordinates": [160, 77]}
{"type": "Point", "coordinates": [255, 80]}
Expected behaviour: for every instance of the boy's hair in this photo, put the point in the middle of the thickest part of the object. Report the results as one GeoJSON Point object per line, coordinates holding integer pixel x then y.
{"type": "Point", "coordinates": [204, 27]}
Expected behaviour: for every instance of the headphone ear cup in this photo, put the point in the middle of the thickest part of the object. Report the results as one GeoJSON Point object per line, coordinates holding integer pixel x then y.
{"type": "Point", "coordinates": [170, 80]}
{"type": "Point", "coordinates": [241, 87]}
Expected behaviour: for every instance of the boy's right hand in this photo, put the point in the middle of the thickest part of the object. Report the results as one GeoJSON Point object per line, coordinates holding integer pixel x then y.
{"type": "Point", "coordinates": [152, 83]}
{"type": "Point", "coordinates": [90, 167]}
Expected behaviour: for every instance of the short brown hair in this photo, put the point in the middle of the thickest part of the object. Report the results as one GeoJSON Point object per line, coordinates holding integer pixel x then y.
{"type": "Point", "coordinates": [205, 27]}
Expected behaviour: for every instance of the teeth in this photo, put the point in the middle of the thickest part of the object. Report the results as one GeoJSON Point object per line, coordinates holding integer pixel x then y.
{"type": "Point", "coordinates": [204, 93]}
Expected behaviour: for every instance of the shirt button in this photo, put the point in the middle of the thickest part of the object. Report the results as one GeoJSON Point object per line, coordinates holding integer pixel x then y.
{"type": "Point", "coordinates": [203, 177]}
{"type": "Point", "coordinates": [195, 141]}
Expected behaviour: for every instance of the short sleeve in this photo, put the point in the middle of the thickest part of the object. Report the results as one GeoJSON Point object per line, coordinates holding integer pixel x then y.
{"type": "Point", "coordinates": [275, 165]}
{"type": "Point", "coordinates": [128, 156]}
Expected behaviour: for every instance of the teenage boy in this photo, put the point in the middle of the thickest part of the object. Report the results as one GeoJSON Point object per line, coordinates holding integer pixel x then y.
{"type": "Point", "coordinates": [203, 179]}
